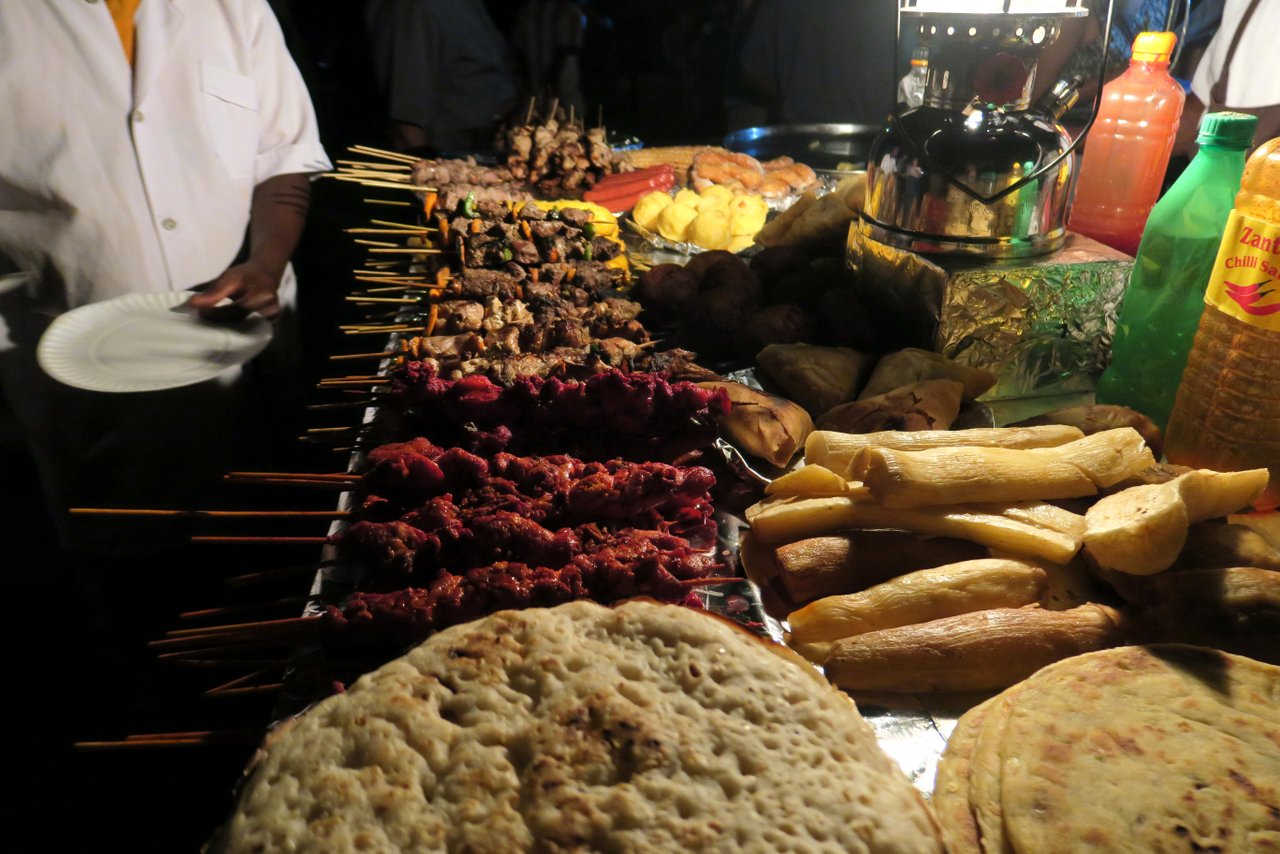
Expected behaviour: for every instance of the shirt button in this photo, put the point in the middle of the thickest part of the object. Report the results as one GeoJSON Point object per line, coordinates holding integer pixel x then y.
{"type": "Point", "coordinates": [137, 115]}
{"type": "Point", "coordinates": [169, 223]}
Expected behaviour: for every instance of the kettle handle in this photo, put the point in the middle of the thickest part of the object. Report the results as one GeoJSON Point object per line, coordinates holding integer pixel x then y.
{"type": "Point", "coordinates": [918, 150]}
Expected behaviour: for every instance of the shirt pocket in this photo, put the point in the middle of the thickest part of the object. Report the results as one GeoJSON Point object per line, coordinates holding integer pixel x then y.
{"type": "Point", "coordinates": [230, 105]}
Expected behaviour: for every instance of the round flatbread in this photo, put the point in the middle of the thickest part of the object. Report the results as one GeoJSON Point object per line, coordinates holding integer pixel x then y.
{"type": "Point", "coordinates": [583, 728]}
{"type": "Point", "coordinates": [951, 786]}
{"type": "Point", "coordinates": [1161, 748]}
{"type": "Point", "coordinates": [985, 775]}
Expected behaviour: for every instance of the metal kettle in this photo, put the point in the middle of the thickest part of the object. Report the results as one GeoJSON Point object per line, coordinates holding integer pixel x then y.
{"type": "Point", "coordinates": [976, 169]}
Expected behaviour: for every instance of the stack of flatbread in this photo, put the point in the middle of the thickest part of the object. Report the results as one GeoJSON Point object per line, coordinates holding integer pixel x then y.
{"type": "Point", "coordinates": [583, 728]}
{"type": "Point", "coordinates": [1160, 748]}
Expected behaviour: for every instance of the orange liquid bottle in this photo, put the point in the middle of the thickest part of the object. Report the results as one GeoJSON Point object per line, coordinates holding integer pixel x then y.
{"type": "Point", "coordinates": [1128, 149]}
{"type": "Point", "coordinates": [1227, 412]}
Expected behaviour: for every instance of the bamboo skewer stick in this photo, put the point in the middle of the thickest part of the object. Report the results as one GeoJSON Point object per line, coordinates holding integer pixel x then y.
{"type": "Point", "coordinates": [387, 202]}
{"type": "Point", "coordinates": [282, 475]}
{"type": "Point", "coordinates": [342, 383]}
{"type": "Point", "coordinates": [375, 243]}
{"type": "Point", "coordinates": [250, 578]}
{"type": "Point", "coordinates": [384, 154]}
{"type": "Point", "coordinates": [408, 232]}
{"type": "Point", "coordinates": [381, 354]}
{"type": "Point", "coordinates": [237, 682]}
{"type": "Point", "coordinates": [249, 689]}
{"type": "Point", "coordinates": [381, 185]}
{"type": "Point", "coordinates": [417, 250]}
{"type": "Point", "coordinates": [239, 738]}
{"type": "Point", "coordinates": [392, 300]}
{"type": "Point", "coordinates": [211, 514]}
{"type": "Point", "coordinates": [281, 541]}
{"type": "Point", "coordinates": [239, 609]}
{"type": "Point", "coordinates": [404, 225]}
{"type": "Point", "coordinates": [368, 164]}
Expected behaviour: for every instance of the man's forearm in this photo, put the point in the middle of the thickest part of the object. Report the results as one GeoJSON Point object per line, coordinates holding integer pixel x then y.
{"type": "Point", "coordinates": [277, 217]}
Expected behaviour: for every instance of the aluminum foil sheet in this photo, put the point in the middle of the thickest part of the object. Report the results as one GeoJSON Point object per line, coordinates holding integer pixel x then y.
{"type": "Point", "coordinates": [1043, 325]}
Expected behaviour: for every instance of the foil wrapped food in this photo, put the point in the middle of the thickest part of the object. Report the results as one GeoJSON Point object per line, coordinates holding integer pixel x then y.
{"type": "Point", "coordinates": [1043, 325]}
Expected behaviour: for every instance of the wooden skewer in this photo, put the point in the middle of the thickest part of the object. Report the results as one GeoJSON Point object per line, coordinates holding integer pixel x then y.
{"type": "Point", "coordinates": [382, 185]}
{"type": "Point", "coordinates": [149, 743]}
{"type": "Point", "coordinates": [381, 354]}
{"type": "Point", "coordinates": [237, 682]}
{"type": "Point", "coordinates": [330, 429]}
{"type": "Point", "coordinates": [249, 689]}
{"type": "Point", "coordinates": [211, 514]}
{"type": "Point", "coordinates": [404, 232]}
{"type": "Point", "coordinates": [392, 300]}
{"type": "Point", "coordinates": [366, 164]}
{"type": "Point", "coordinates": [404, 225]}
{"type": "Point", "coordinates": [342, 383]}
{"type": "Point", "coordinates": [377, 330]}
{"type": "Point", "coordinates": [218, 663]}
{"type": "Point", "coordinates": [375, 243]}
{"type": "Point", "coordinates": [235, 628]}
{"type": "Point", "coordinates": [387, 202]}
{"type": "Point", "coordinates": [416, 250]}
{"type": "Point", "coordinates": [281, 541]}
{"type": "Point", "coordinates": [150, 736]}
{"type": "Point", "coordinates": [384, 154]}
{"type": "Point", "coordinates": [239, 609]}
{"type": "Point", "coordinates": [346, 404]}
{"type": "Point", "coordinates": [319, 484]}
{"type": "Point", "coordinates": [280, 572]}
{"type": "Point", "coordinates": [709, 582]}
{"type": "Point", "coordinates": [389, 289]}
{"type": "Point", "coordinates": [363, 175]}
{"type": "Point", "coordinates": [284, 475]}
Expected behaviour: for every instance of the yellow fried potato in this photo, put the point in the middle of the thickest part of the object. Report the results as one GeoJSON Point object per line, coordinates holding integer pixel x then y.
{"type": "Point", "coordinates": [740, 242]}
{"type": "Point", "coordinates": [646, 211]}
{"type": "Point", "coordinates": [710, 229]}
{"type": "Point", "coordinates": [688, 198]}
{"type": "Point", "coordinates": [673, 221]}
{"type": "Point", "coordinates": [745, 222]}
{"type": "Point", "coordinates": [717, 192]}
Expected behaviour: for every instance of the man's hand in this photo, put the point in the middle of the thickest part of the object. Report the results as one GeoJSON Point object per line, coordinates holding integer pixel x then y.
{"type": "Point", "coordinates": [250, 287]}
{"type": "Point", "coordinates": [279, 210]}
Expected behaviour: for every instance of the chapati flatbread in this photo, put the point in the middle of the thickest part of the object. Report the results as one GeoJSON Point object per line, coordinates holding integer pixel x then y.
{"type": "Point", "coordinates": [985, 776]}
{"type": "Point", "coordinates": [1162, 748]}
{"type": "Point", "coordinates": [583, 728]}
{"type": "Point", "coordinates": [951, 786]}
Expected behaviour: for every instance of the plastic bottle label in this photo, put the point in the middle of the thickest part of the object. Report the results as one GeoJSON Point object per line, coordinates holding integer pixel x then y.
{"type": "Point", "coordinates": [1246, 276]}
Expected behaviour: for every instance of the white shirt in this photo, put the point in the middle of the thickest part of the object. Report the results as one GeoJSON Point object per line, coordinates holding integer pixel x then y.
{"type": "Point", "coordinates": [1255, 72]}
{"type": "Point", "coordinates": [112, 182]}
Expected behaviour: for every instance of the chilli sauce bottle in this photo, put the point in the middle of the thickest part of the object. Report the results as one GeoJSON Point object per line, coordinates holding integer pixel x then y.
{"type": "Point", "coordinates": [1128, 149]}
{"type": "Point", "coordinates": [1227, 412]}
{"type": "Point", "coordinates": [1165, 296]}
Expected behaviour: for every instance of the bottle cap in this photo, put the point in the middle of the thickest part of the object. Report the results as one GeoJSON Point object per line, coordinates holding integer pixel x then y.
{"type": "Point", "coordinates": [1153, 47]}
{"type": "Point", "coordinates": [1228, 130]}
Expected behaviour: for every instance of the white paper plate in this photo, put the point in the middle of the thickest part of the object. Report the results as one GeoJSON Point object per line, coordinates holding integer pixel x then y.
{"type": "Point", "coordinates": [145, 342]}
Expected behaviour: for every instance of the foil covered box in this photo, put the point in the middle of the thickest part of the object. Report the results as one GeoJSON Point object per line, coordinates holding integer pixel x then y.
{"type": "Point", "coordinates": [1043, 325]}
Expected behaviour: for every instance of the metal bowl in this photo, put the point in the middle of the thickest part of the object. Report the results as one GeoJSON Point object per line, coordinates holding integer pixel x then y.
{"type": "Point", "coordinates": [823, 146]}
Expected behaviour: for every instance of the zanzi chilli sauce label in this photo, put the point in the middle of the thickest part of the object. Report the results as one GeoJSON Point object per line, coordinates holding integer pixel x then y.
{"type": "Point", "coordinates": [1246, 276]}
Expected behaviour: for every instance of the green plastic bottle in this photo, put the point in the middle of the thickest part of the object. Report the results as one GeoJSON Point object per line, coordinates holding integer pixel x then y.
{"type": "Point", "coordinates": [1165, 297]}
